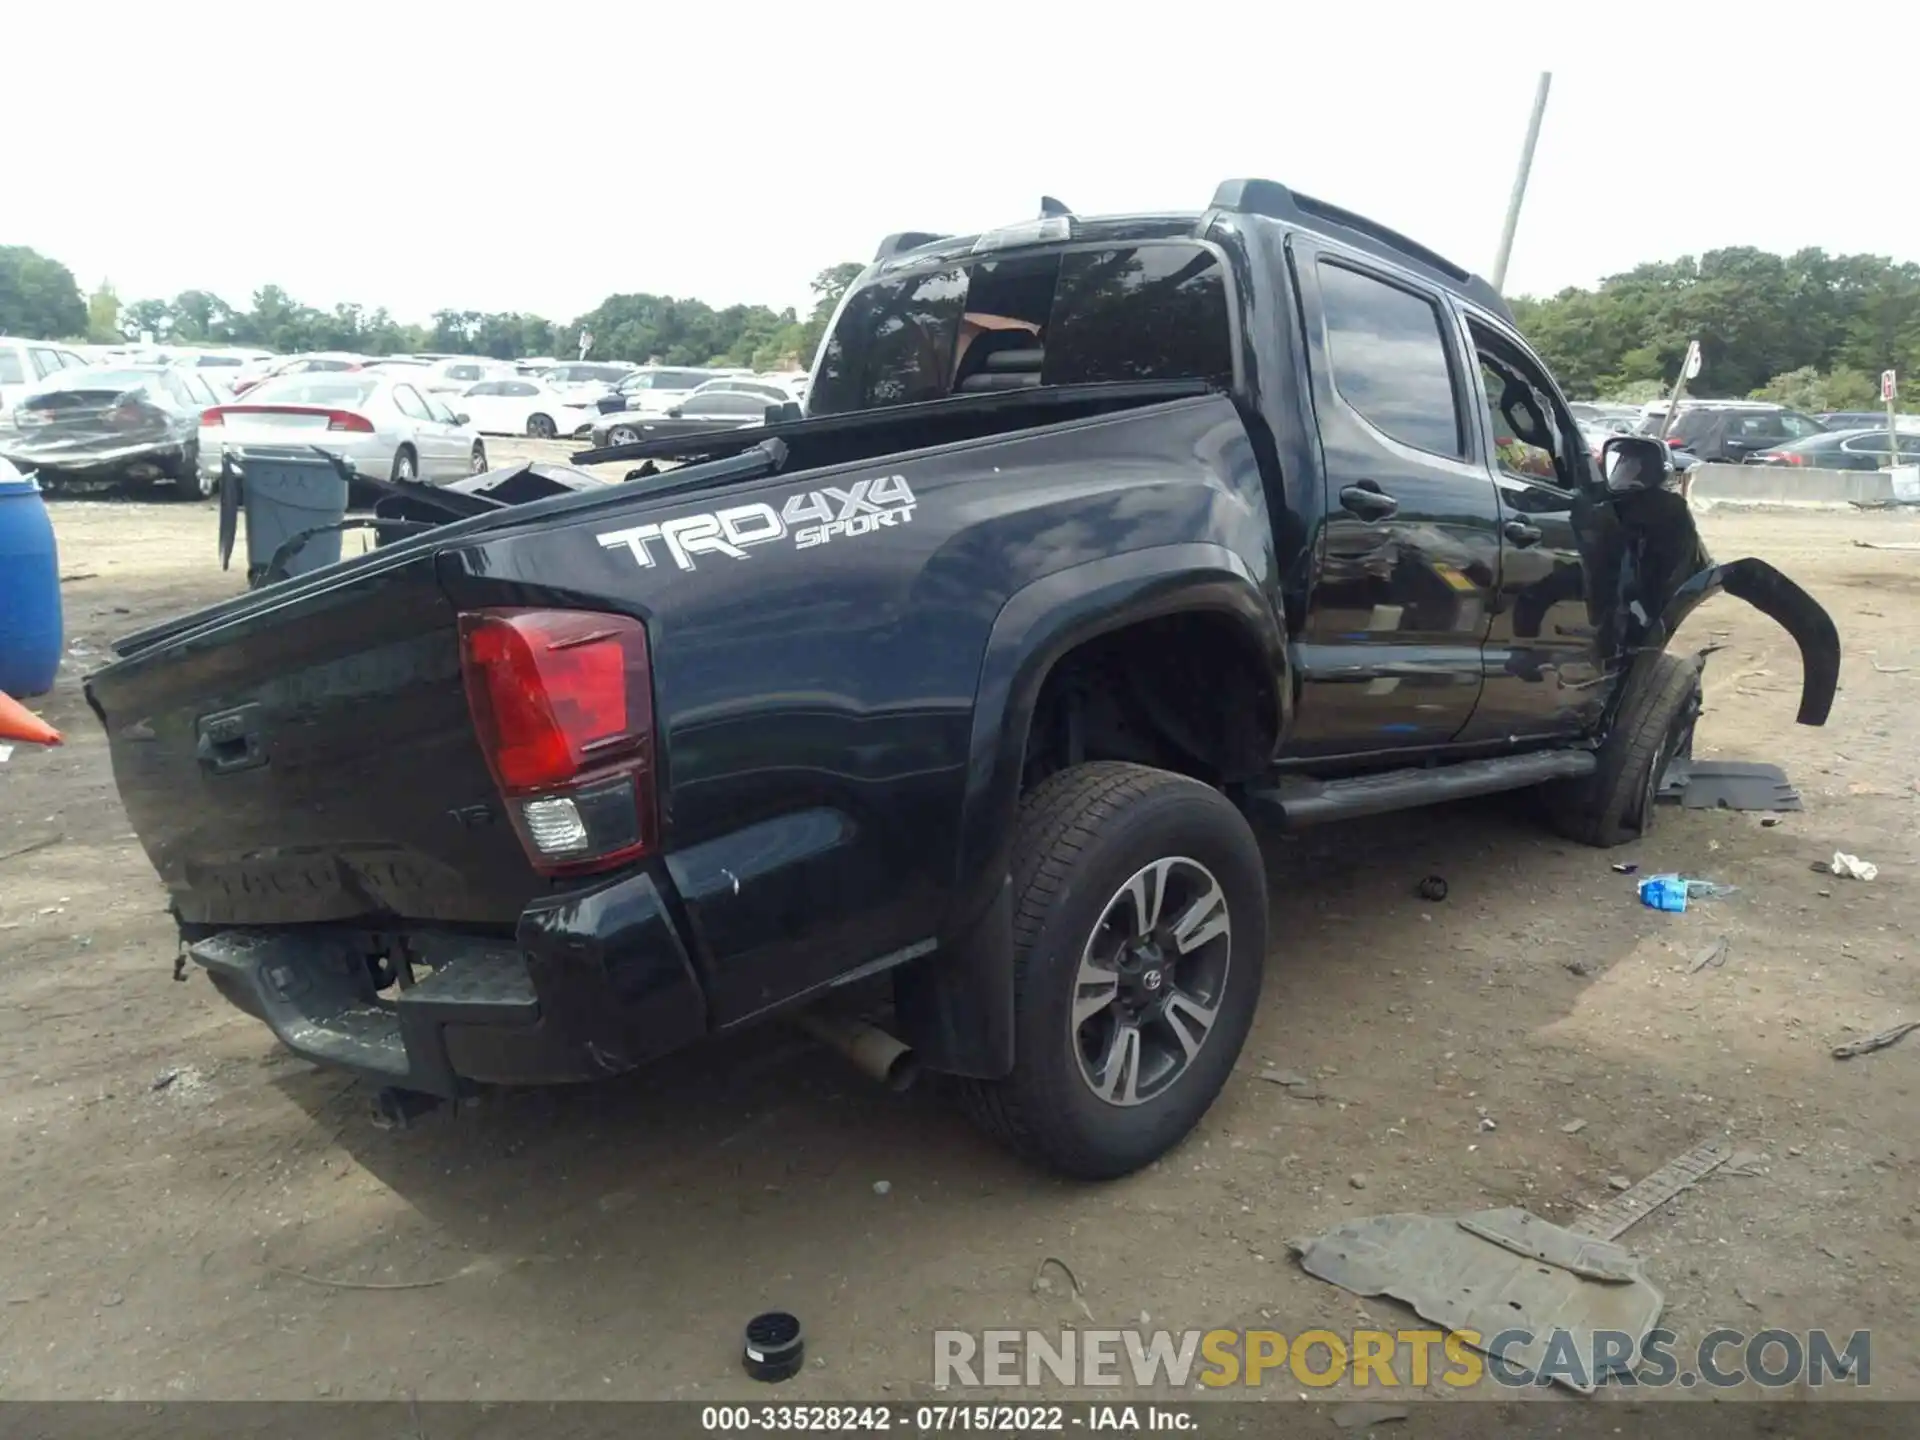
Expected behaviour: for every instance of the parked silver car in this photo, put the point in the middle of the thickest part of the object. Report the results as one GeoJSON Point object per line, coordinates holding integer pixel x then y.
{"type": "Point", "coordinates": [377, 421]}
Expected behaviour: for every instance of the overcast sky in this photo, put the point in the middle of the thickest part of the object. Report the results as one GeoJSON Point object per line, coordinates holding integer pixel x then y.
{"type": "Point", "coordinates": [421, 155]}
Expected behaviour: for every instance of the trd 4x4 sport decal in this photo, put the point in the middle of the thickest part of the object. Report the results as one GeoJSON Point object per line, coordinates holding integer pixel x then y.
{"type": "Point", "coordinates": [809, 518]}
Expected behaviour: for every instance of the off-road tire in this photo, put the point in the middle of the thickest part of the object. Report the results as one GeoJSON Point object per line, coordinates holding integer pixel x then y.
{"type": "Point", "coordinates": [1082, 833]}
{"type": "Point", "coordinates": [1616, 803]}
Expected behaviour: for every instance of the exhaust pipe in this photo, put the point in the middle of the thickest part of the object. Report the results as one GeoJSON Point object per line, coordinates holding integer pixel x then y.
{"type": "Point", "coordinates": [873, 1052]}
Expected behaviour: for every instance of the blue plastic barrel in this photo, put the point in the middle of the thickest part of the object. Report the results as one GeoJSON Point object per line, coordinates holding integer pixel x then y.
{"type": "Point", "coordinates": [30, 623]}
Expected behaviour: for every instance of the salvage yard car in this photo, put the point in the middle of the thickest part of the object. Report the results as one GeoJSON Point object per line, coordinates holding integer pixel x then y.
{"type": "Point", "coordinates": [102, 426]}
{"type": "Point", "coordinates": [1099, 535]}
{"type": "Point", "coordinates": [23, 363]}
{"type": "Point", "coordinates": [715, 406]}
{"type": "Point", "coordinates": [375, 420]}
{"type": "Point", "coordinates": [525, 407]}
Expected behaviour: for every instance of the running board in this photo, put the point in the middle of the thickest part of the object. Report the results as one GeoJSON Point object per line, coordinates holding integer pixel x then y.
{"type": "Point", "coordinates": [1302, 800]}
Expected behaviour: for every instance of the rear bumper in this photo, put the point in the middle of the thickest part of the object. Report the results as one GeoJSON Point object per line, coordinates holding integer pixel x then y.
{"type": "Point", "coordinates": [367, 454]}
{"type": "Point", "coordinates": [594, 983]}
{"type": "Point", "coordinates": [107, 461]}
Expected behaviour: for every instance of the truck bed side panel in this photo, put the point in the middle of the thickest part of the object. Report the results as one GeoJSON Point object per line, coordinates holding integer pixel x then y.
{"type": "Point", "coordinates": [815, 699]}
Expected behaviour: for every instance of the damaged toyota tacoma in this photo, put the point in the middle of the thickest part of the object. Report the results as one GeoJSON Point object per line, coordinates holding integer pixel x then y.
{"type": "Point", "coordinates": [1097, 537]}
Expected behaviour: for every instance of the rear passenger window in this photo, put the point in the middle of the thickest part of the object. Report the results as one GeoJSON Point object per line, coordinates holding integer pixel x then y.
{"type": "Point", "coordinates": [1155, 311]}
{"type": "Point", "coordinates": [1158, 312]}
{"type": "Point", "coordinates": [1390, 359]}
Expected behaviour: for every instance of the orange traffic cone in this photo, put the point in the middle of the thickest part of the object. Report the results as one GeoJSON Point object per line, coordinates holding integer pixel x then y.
{"type": "Point", "coordinates": [19, 723]}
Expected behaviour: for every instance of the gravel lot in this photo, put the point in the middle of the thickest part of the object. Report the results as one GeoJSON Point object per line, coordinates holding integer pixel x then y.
{"type": "Point", "coordinates": [170, 1240]}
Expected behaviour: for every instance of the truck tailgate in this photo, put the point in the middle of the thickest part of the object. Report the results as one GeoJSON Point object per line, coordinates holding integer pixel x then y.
{"type": "Point", "coordinates": [311, 758]}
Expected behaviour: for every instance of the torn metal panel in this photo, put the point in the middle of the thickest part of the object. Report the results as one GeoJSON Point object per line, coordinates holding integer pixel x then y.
{"type": "Point", "coordinates": [1529, 1235]}
{"type": "Point", "coordinates": [1629, 1208]}
{"type": "Point", "coordinates": [1728, 785]}
{"type": "Point", "coordinates": [1506, 1291]}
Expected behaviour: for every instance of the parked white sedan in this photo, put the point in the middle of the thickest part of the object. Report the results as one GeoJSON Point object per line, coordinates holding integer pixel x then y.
{"type": "Point", "coordinates": [525, 407]}
{"type": "Point", "coordinates": [377, 421]}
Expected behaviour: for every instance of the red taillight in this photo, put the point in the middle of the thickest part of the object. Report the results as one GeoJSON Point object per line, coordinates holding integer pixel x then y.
{"type": "Point", "coordinates": [337, 420]}
{"type": "Point", "coordinates": [1675, 441]}
{"type": "Point", "coordinates": [562, 701]}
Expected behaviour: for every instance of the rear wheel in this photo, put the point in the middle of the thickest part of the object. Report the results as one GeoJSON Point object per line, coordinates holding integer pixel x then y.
{"type": "Point", "coordinates": [623, 435]}
{"type": "Point", "coordinates": [478, 463]}
{"type": "Point", "coordinates": [185, 479]}
{"type": "Point", "coordinates": [1140, 930]}
{"type": "Point", "coordinates": [541, 427]}
{"type": "Point", "coordinates": [406, 465]}
{"type": "Point", "coordinates": [1617, 802]}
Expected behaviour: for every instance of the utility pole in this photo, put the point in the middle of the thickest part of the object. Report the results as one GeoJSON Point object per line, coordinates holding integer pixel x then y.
{"type": "Point", "coordinates": [1520, 182]}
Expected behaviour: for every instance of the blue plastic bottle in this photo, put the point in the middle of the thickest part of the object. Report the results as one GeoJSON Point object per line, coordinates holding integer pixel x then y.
{"type": "Point", "coordinates": [1663, 892]}
{"type": "Point", "coordinates": [30, 620]}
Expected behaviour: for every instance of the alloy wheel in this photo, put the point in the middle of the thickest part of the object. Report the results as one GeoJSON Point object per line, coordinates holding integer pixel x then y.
{"type": "Point", "coordinates": [1150, 981]}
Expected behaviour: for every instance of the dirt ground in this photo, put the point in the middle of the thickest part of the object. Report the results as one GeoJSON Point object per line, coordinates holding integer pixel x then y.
{"type": "Point", "coordinates": [181, 1199]}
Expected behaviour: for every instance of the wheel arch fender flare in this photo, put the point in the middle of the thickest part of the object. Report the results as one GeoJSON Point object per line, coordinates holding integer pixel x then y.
{"type": "Point", "coordinates": [957, 1004]}
{"type": "Point", "coordinates": [1787, 605]}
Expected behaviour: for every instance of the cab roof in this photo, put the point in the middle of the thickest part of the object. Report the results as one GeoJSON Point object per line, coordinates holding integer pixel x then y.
{"type": "Point", "coordinates": [1264, 198]}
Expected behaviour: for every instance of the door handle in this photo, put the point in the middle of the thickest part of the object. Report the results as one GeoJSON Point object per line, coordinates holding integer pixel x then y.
{"type": "Point", "coordinates": [1366, 500]}
{"type": "Point", "coordinates": [1520, 534]}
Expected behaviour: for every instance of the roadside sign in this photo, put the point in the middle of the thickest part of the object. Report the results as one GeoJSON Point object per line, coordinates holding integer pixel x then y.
{"type": "Point", "coordinates": [1692, 367]}
{"type": "Point", "coordinates": [1889, 386]}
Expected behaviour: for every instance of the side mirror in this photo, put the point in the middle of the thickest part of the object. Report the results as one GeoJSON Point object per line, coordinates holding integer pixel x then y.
{"type": "Point", "coordinates": [1636, 462]}
{"type": "Point", "coordinates": [461, 419]}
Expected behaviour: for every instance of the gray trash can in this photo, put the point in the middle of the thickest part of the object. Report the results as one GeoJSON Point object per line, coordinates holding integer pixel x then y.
{"type": "Point", "coordinates": [286, 493]}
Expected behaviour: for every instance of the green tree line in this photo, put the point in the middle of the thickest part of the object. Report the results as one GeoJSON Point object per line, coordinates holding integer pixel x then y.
{"type": "Point", "coordinates": [41, 300]}
{"type": "Point", "coordinates": [1809, 329]}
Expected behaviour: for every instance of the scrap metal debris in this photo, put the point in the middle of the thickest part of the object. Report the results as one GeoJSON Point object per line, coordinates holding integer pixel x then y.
{"type": "Point", "coordinates": [1361, 1415]}
{"type": "Point", "coordinates": [1300, 1087]}
{"type": "Point", "coordinates": [1613, 1219]}
{"type": "Point", "coordinates": [1041, 1285]}
{"type": "Point", "coordinates": [1728, 785]}
{"type": "Point", "coordinates": [1714, 954]}
{"type": "Point", "coordinates": [31, 845]}
{"type": "Point", "coordinates": [1492, 1273]}
{"type": "Point", "coordinates": [1881, 1041]}
{"type": "Point", "coordinates": [1496, 1272]}
{"type": "Point", "coordinates": [1433, 888]}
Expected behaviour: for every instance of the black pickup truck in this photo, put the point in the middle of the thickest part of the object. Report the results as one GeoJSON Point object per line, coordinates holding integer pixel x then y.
{"type": "Point", "coordinates": [1097, 535]}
